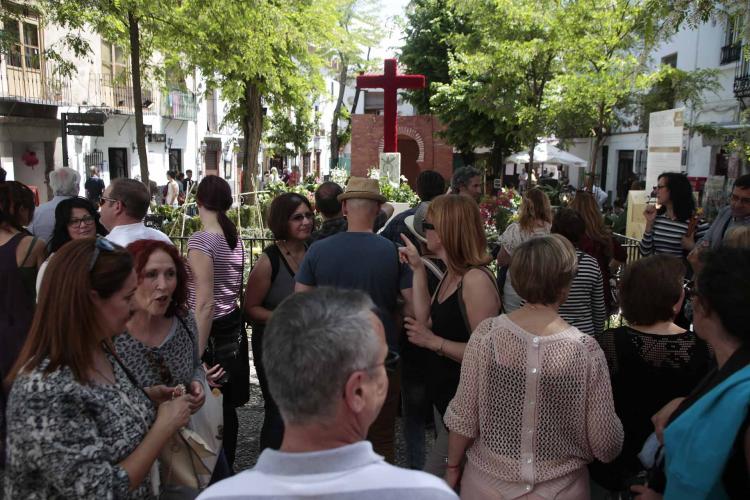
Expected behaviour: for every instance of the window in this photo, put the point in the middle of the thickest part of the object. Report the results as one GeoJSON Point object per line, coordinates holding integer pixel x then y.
{"type": "Point", "coordinates": [670, 60]}
{"type": "Point", "coordinates": [26, 51]}
{"type": "Point", "coordinates": [732, 49]}
{"type": "Point", "coordinates": [114, 63]}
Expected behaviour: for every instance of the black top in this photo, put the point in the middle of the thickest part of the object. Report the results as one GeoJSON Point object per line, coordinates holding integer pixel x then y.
{"type": "Point", "coordinates": [444, 373]}
{"type": "Point", "coordinates": [735, 477]}
{"type": "Point", "coordinates": [647, 371]}
{"type": "Point", "coordinates": [416, 360]}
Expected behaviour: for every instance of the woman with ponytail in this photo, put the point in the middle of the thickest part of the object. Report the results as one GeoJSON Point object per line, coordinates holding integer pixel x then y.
{"type": "Point", "coordinates": [216, 260]}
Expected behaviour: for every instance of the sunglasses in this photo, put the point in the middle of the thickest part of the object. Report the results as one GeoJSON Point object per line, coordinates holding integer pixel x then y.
{"type": "Point", "coordinates": [157, 361]}
{"type": "Point", "coordinates": [102, 245]}
{"type": "Point", "coordinates": [301, 217]}
{"type": "Point", "coordinates": [103, 200]}
{"type": "Point", "coordinates": [427, 225]}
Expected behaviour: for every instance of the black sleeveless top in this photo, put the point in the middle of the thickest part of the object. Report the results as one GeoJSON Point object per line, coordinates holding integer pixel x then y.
{"type": "Point", "coordinates": [444, 373]}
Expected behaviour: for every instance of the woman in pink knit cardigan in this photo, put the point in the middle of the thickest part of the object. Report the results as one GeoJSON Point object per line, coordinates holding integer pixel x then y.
{"type": "Point", "coordinates": [534, 404]}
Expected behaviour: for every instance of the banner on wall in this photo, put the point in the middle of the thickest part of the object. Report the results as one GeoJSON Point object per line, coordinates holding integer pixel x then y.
{"type": "Point", "coordinates": [665, 144]}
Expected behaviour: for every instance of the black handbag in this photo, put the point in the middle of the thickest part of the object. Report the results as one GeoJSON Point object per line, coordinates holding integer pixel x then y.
{"type": "Point", "coordinates": [223, 346]}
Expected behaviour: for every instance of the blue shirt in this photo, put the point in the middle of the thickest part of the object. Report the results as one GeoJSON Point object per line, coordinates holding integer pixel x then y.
{"type": "Point", "coordinates": [360, 261]}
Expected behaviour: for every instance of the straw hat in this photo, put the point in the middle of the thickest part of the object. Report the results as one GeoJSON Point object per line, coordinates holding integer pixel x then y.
{"type": "Point", "coordinates": [414, 222]}
{"type": "Point", "coordinates": [362, 188]}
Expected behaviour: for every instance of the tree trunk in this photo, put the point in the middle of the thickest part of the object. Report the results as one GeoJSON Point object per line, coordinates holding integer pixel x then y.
{"type": "Point", "coordinates": [598, 140]}
{"type": "Point", "coordinates": [252, 125]}
{"type": "Point", "coordinates": [530, 166]}
{"type": "Point", "coordinates": [337, 112]}
{"type": "Point", "coordinates": [135, 63]}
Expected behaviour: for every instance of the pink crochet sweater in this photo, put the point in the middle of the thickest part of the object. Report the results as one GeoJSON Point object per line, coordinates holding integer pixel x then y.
{"type": "Point", "coordinates": [540, 408]}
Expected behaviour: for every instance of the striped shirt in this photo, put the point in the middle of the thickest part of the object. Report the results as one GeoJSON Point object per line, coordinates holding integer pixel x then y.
{"type": "Point", "coordinates": [227, 270]}
{"type": "Point", "coordinates": [351, 472]}
{"type": "Point", "coordinates": [666, 236]}
{"type": "Point", "coordinates": [584, 307]}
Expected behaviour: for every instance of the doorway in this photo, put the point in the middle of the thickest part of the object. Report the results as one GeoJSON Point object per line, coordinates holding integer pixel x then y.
{"type": "Point", "coordinates": [175, 160]}
{"type": "Point", "coordinates": [409, 150]}
{"type": "Point", "coordinates": [625, 175]}
{"type": "Point", "coordinates": [118, 163]}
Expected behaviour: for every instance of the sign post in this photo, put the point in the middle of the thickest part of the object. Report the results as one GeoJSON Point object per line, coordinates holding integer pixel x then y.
{"type": "Point", "coordinates": [89, 124]}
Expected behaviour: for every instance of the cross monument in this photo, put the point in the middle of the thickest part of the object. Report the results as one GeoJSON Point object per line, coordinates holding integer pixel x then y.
{"type": "Point", "coordinates": [390, 81]}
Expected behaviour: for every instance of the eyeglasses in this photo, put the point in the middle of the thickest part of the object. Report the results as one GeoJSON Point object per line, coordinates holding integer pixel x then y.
{"type": "Point", "coordinates": [101, 245]}
{"type": "Point", "coordinates": [426, 225]}
{"type": "Point", "coordinates": [103, 200]}
{"type": "Point", "coordinates": [739, 199]}
{"type": "Point", "coordinates": [301, 217]}
{"type": "Point", "coordinates": [390, 363]}
{"type": "Point", "coordinates": [86, 221]}
{"type": "Point", "coordinates": [157, 361]}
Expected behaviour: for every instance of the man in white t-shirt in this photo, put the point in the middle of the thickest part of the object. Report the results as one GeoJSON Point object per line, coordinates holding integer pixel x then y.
{"type": "Point", "coordinates": [325, 358]}
{"type": "Point", "coordinates": [124, 205]}
{"type": "Point", "coordinates": [173, 190]}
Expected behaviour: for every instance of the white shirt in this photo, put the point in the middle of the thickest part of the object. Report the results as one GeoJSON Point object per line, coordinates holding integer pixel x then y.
{"type": "Point", "coordinates": [43, 224]}
{"type": "Point", "coordinates": [173, 190]}
{"type": "Point", "coordinates": [126, 234]}
{"type": "Point", "coordinates": [351, 472]}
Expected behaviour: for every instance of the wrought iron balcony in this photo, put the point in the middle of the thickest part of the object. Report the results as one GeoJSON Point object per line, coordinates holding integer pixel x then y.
{"type": "Point", "coordinates": [731, 53]}
{"type": "Point", "coordinates": [44, 86]}
{"type": "Point", "coordinates": [179, 105]}
{"type": "Point", "coordinates": [117, 94]}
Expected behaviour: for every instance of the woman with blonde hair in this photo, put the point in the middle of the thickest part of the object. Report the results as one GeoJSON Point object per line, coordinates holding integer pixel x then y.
{"type": "Point", "coordinates": [534, 404]}
{"type": "Point", "coordinates": [467, 295]}
{"type": "Point", "coordinates": [535, 219]}
{"type": "Point", "coordinates": [598, 242]}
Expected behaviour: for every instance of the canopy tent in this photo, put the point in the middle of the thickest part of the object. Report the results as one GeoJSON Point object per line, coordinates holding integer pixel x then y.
{"type": "Point", "coordinates": [547, 153]}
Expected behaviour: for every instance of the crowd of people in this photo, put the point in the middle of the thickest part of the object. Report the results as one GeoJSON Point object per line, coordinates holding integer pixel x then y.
{"type": "Point", "coordinates": [124, 362]}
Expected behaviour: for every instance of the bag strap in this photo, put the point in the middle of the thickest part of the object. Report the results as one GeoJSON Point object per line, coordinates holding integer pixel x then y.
{"type": "Point", "coordinates": [29, 250]}
{"type": "Point", "coordinates": [274, 256]}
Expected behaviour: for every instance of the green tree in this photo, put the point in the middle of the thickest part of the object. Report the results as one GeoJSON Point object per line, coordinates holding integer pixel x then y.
{"type": "Point", "coordinates": [290, 126]}
{"type": "Point", "coordinates": [135, 25]}
{"type": "Point", "coordinates": [261, 53]}
{"type": "Point", "coordinates": [358, 30]}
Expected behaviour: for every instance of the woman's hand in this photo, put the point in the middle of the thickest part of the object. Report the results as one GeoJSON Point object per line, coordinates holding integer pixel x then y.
{"type": "Point", "coordinates": [453, 476]}
{"type": "Point", "coordinates": [645, 493]}
{"type": "Point", "coordinates": [214, 374]}
{"type": "Point", "coordinates": [422, 336]}
{"type": "Point", "coordinates": [661, 418]}
{"type": "Point", "coordinates": [409, 254]}
{"type": "Point", "coordinates": [196, 396]}
{"type": "Point", "coordinates": [160, 393]}
{"type": "Point", "coordinates": [650, 215]}
{"type": "Point", "coordinates": [174, 414]}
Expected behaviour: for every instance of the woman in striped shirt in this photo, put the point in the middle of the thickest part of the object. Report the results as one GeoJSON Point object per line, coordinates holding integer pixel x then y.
{"type": "Point", "coordinates": [216, 260]}
{"type": "Point", "coordinates": [672, 228]}
{"type": "Point", "coordinates": [584, 307]}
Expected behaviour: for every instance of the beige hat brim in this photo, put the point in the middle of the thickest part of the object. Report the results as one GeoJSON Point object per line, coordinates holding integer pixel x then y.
{"type": "Point", "coordinates": [409, 221]}
{"type": "Point", "coordinates": [361, 195]}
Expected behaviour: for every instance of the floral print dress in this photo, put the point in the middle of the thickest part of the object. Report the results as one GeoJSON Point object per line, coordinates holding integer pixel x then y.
{"type": "Point", "coordinates": [66, 438]}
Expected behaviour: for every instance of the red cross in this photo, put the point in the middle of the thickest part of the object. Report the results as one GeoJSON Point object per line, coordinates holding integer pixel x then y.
{"type": "Point", "coordinates": [390, 81]}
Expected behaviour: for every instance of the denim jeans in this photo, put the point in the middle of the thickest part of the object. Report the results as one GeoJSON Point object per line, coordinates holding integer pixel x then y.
{"type": "Point", "coordinates": [415, 409]}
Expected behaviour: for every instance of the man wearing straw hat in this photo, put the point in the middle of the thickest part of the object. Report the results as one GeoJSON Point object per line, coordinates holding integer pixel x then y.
{"type": "Point", "coordinates": [361, 260]}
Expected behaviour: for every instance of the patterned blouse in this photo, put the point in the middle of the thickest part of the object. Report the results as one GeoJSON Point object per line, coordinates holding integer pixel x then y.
{"type": "Point", "coordinates": [539, 407]}
{"type": "Point", "coordinates": [66, 439]}
{"type": "Point", "coordinates": [175, 361]}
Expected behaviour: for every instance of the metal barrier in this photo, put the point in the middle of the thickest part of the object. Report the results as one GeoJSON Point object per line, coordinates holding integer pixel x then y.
{"type": "Point", "coordinates": [253, 248]}
{"type": "Point", "coordinates": [630, 245]}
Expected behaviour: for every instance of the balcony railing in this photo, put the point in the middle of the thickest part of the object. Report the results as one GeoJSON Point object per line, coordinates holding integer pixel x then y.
{"type": "Point", "coordinates": [731, 53]}
{"type": "Point", "coordinates": [117, 94]}
{"type": "Point", "coordinates": [179, 105]}
{"type": "Point", "coordinates": [742, 76]}
{"type": "Point", "coordinates": [34, 86]}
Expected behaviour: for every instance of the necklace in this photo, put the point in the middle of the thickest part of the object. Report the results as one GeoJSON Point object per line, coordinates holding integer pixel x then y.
{"type": "Point", "coordinates": [105, 377]}
{"type": "Point", "coordinates": [289, 254]}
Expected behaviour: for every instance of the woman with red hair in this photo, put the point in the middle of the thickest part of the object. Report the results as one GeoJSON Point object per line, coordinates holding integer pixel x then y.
{"type": "Point", "coordinates": [160, 346]}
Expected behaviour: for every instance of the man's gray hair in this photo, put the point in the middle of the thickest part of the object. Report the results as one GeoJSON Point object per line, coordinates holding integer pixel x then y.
{"type": "Point", "coordinates": [462, 176]}
{"type": "Point", "coordinates": [313, 342]}
{"type": "Point", "coordinates": [64, 181]}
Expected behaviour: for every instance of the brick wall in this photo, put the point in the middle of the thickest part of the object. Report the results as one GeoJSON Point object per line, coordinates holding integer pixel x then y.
{"type": "Point", "coordinates": [367, 142]}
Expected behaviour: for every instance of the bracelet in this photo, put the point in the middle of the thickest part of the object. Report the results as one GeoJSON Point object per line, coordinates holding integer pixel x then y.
{"type": "Point", "coordinates": [439, 351]}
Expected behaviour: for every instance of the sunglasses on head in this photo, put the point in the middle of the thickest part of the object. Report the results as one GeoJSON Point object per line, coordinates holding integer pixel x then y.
{"type": "Point", "coordinates": [101, 245]}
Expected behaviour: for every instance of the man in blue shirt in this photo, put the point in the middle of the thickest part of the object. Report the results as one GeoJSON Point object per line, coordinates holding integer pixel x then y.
{"type": "Point", "coordinates": [361, 260]}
